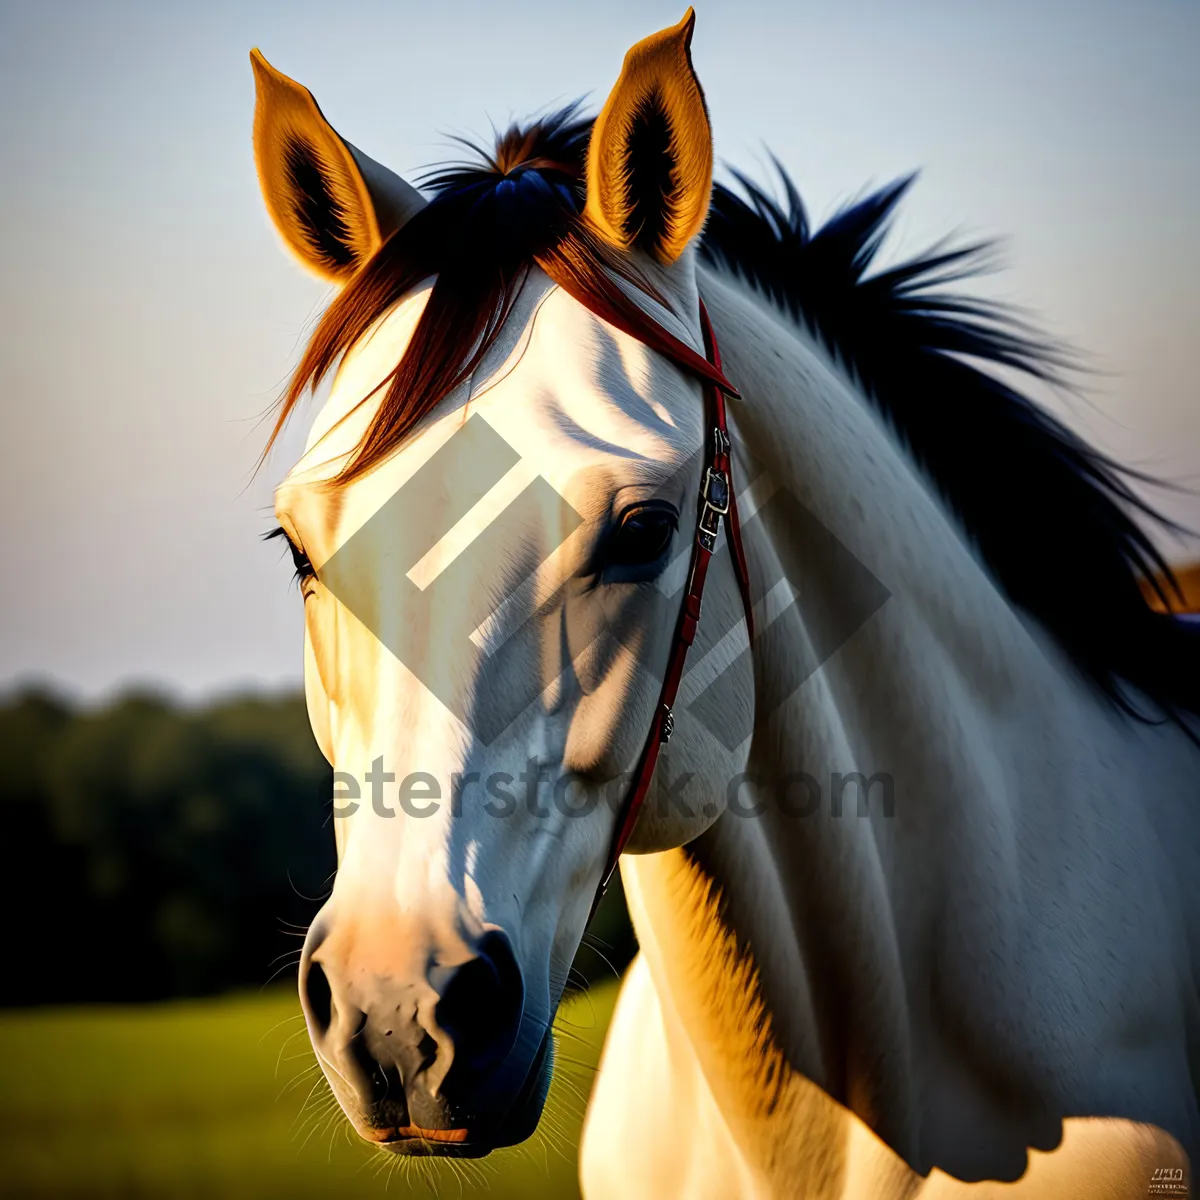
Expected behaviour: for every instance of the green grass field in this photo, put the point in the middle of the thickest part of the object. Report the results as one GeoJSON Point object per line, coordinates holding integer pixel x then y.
{"type": "Point", "coordinates": [222, 1098]}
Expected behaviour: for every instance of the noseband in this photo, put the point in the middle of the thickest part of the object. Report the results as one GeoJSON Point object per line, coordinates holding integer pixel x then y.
{"type": "Point", "coordinates": [716, 501]}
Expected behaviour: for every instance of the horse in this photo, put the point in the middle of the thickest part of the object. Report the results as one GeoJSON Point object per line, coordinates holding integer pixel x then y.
{"type": "Point", "coordinates": [910, 841]}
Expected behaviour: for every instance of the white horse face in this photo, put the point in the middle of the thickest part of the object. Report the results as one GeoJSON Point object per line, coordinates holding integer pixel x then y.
{"type": "Point", "coordinates": [469, 855]}
{"type": "Point", "coordinates": [488, 614]}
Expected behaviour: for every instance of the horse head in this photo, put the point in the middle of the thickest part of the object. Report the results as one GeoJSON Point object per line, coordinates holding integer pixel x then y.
{"type": "Point", "coordinates": [491, 524]}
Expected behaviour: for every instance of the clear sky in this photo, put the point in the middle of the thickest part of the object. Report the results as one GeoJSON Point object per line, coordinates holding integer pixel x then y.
{"type": "Point", "coordinates": [150, 317]}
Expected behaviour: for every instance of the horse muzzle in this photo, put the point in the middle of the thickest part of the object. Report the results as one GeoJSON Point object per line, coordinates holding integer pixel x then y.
{"type": "Point", "coordinates": [426, 1061]}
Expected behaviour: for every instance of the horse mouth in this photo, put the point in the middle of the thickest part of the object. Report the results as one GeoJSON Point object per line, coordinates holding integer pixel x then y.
{"type": "Point", "coordinates": [518, 1123]}
{"type": "Point", "coordinates": [385, 1136]}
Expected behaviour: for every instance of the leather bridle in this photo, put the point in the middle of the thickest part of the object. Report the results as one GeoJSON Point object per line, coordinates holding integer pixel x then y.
{"type": "Point", "coordinates": [716, 501]}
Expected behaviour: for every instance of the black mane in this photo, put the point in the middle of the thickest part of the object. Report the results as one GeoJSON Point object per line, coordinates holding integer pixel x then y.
{"type": "Point", "coordinates": [1054, 521]}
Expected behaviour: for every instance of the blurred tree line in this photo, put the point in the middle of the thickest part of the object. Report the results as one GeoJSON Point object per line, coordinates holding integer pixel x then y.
{"type": "Point", "coordinates": [153, 850]}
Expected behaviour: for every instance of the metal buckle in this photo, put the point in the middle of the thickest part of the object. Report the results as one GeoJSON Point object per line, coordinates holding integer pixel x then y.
{"type": "Point", "coordinates": [721, 440]}
{"type": "Point", "coordinates": [716, 491]}
{"type": "Point", "coordinates": [668, 727]}
{"type": "Point", "coordinates": [715, 495]}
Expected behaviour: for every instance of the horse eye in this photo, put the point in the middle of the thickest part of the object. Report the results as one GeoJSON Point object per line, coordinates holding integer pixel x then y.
{"type": "Point", "coordinates": [642, 536]}
{"type": "Point", "coordinates": [304, 568]}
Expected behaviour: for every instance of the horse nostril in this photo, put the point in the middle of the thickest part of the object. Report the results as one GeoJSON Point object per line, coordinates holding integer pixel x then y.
{"type": "Point", "coordinates": [318, 997]}
{"type": "Point", "coordinates": [482, 1005]}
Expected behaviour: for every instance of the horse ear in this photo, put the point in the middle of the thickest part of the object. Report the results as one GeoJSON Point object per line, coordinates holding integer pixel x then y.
{"type": "Point", "coordinates": [333, 205]}
{"type": "Point", "coordinates": [649, 168]}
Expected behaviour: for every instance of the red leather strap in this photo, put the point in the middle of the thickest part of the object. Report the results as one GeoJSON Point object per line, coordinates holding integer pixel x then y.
{"type": "Point", "coordinates": [733, 527]}
{"type": "Point", "coordinates": [716, 501]}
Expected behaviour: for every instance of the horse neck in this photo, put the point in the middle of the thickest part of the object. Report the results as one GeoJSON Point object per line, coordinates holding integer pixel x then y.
{"type": "Point", "coordinates": [805, 949]}
{"type": "Point", "coordinates": [769, 926]}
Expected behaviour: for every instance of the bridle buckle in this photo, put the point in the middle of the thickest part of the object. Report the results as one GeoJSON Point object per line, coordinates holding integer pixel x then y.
{"type": "Point", "coordinates": [715, 496]}
{"type": "Point", "coordinates": [668, 727]}
{"type": "Point", "coordinates": [716, 492]}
